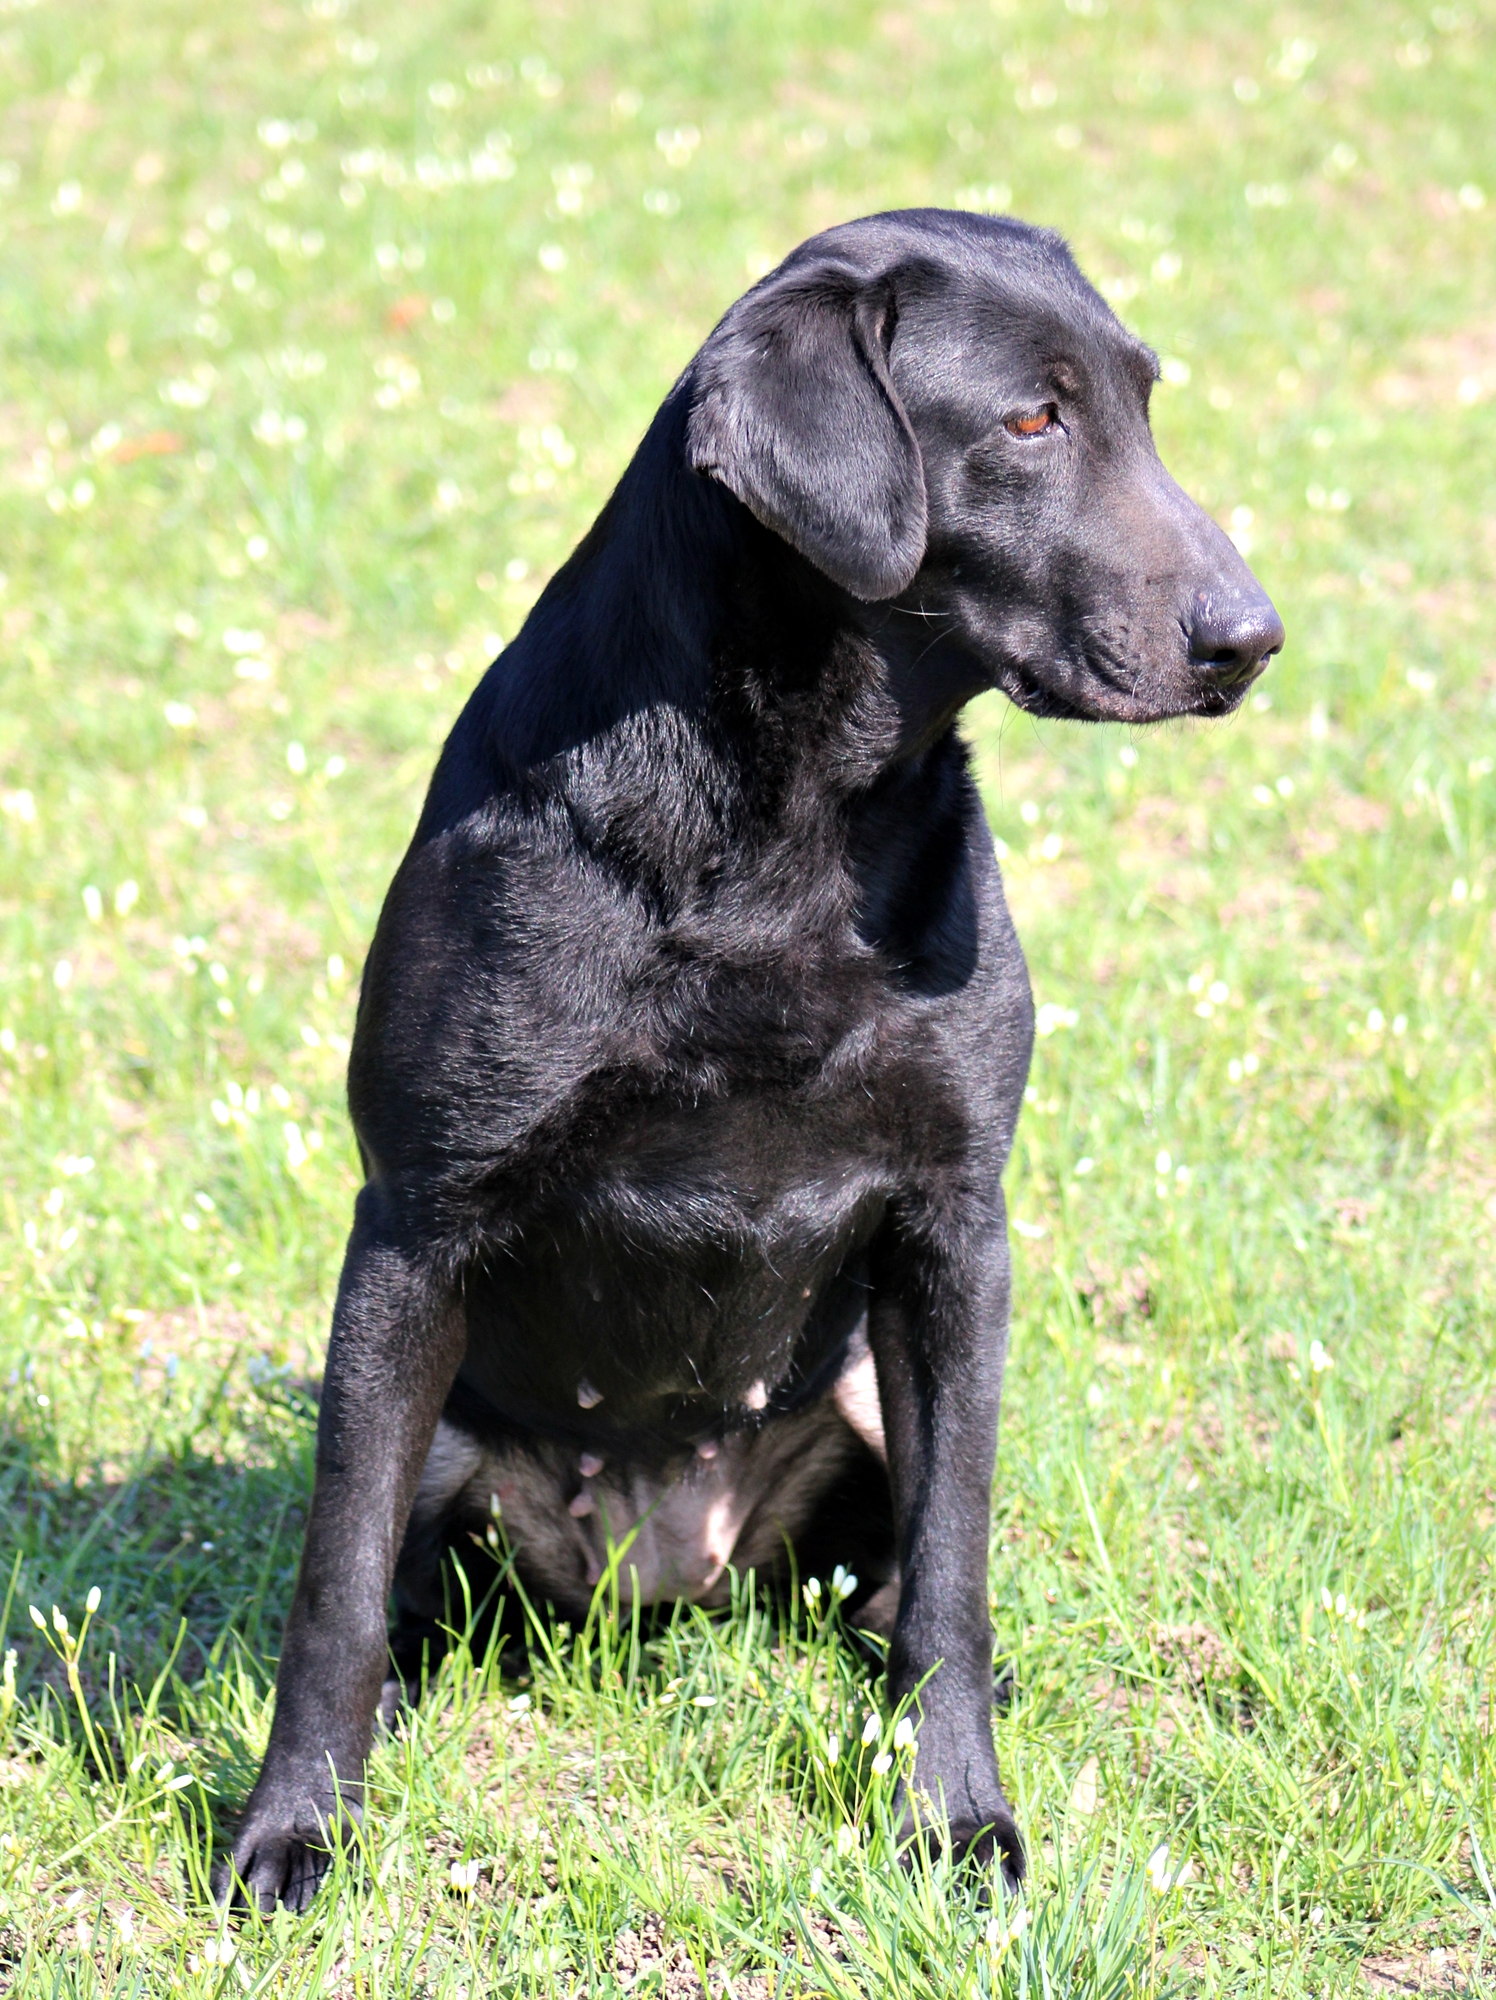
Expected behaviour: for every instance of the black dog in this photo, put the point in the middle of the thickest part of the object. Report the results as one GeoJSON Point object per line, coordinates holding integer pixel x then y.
{"type": "Point", "coordinates": [694, 1031]}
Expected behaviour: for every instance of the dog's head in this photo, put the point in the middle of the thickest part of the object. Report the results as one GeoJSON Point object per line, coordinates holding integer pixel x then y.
{"type": "Point", "coordinates": [935, 409]}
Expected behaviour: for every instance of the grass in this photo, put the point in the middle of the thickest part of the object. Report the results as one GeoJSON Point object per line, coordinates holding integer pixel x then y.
{"type": "Point", "coordinates": [324, 334]}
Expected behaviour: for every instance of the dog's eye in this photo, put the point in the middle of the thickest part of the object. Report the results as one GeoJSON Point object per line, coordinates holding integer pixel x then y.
{"type": "Point", "coordinates": [1034, 423]}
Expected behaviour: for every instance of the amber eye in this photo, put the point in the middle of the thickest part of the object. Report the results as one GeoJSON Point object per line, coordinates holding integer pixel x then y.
{"type": "Point", "coordinates": [1035, 424]}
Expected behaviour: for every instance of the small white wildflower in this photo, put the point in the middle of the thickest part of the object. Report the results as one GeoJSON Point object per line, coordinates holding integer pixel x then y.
{"type": "Point", "coordinates": [1000, 1935]}
{"type": "Point", "coordinates": [882, 1764]}
{"type": "Point", "coordinates": [93, 1600]}
{"type": "Point", "coordinates": [871, 1729]}
{"type": "Point", "coordinates": [833, 1749]}
{"type": "Point", "coordinates": [903, 1733]}
{"type": "Point", "coordinates": [465, 1876]}
{"type": "Point", "coordinates": [1319, 1359]}
{"type": "Point", "coordinates": [846, 1841]}
{"type": "Point", "coordinates": [704, 1701]}
{"type": "Point", "coordinates": [1052, 1016]}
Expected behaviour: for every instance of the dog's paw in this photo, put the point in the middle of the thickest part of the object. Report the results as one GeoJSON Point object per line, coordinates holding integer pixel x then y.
{"type": "Point", "coordinates": [269, 1870]}
{"type": "Point", "coordinates": [280, 1856]}
{"type": "Point", "coordinates": [997, 1840]}
{"type": "Point", "coordinates": [975, 1841]}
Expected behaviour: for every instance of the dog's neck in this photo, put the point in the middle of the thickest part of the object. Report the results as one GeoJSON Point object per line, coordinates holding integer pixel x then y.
{"type": "Point", "coordinates": [678, 599]}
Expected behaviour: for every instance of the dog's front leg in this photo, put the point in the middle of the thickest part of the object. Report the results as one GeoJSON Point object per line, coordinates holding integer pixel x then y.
{"type": "Point", "coordinates": [938, 1327]}
{"type": "Point", "coordinates": [397, 1341]}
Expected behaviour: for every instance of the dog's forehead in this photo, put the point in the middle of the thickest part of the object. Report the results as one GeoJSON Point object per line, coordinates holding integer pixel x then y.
{"type": "Point", "coordinates": [1021, 315]}
{"type": "Point", "coordinates": [989, 299]}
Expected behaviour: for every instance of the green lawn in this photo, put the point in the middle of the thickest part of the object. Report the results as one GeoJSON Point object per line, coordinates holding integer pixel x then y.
{"type": "Point", "coordinates": [325, 331]}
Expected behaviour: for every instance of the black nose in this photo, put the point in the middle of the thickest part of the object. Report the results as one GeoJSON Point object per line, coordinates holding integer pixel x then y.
{"type": "Point", "coordinates": [1233, 633]}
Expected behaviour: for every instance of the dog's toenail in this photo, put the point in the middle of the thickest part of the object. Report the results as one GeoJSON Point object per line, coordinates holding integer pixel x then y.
{"type": "Point", "coordinates": [587, 1396]}
{"type": "Point", "coordinates": [581, 1507]}
{"type": "Point", "coordinates": [757, 1397]}
{"type": "Point", "coordinates": [591, 1465]}
{"type": "Point", "coordinates": [707, 1448]}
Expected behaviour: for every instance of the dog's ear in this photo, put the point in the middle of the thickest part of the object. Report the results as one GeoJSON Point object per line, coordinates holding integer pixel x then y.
{"type": "Point", "coordinates": [793, 410]}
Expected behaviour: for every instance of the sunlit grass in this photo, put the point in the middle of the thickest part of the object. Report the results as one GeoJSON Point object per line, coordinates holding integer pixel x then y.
{"type": "Point", "coordinates": [325, 332]}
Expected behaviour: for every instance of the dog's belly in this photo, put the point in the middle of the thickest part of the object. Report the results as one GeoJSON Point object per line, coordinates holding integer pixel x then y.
{"type": "Point", "coordinates": [671, 1529]}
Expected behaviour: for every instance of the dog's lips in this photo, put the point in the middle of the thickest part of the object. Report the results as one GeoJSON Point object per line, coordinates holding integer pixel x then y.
{"type": "Point", "coordinates": [1092, 688]}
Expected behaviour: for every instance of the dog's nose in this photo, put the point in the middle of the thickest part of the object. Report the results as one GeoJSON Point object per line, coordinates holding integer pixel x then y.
{"type": "Point", "coordinates": [1234, 633]}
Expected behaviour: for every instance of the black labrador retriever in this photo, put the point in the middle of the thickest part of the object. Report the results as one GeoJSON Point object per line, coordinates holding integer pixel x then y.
{"type": "Point", "coordinates": [694, 1030]}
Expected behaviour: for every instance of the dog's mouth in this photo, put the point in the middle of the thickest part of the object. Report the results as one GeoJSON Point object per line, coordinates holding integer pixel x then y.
{"type": "Point", "coordinates": [1094, 684]}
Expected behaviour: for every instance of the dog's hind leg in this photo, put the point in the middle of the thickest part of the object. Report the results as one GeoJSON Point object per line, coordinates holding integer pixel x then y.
{"type": "Point", "coordinates": [397, 1340]}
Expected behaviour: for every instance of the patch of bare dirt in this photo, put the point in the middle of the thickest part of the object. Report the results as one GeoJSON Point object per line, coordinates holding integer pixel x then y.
{"type": "Point", "coordinates": [644, 1958]}
{"type": "Point", "coordinates": [215, 1335]}
{"type": "Point", "coordinates": [1436, 1971]}
{"type": "Point", "coordinates": [1194, 1653]}
{"type": "Point", "coordinates": [1116, 1298]}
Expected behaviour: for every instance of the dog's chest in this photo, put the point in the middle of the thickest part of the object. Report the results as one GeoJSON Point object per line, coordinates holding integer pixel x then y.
{"type": "Point", "coordinates": [703, 1267]}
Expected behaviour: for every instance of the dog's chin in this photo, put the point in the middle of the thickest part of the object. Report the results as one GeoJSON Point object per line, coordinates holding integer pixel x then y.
{"type": "Point", "coordinates": [1097, 694]}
